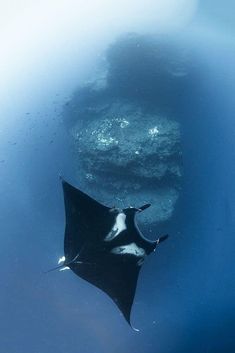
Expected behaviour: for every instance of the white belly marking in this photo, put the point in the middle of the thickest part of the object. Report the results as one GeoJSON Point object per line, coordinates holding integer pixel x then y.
{"type": "Point", "coordinates": [131, 249]}
{"type": "Point", "coordinates": [118, 227]}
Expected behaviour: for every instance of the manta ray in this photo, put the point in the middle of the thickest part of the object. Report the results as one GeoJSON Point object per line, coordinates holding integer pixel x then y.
{"type": "Point", "coordinates": [104, 246]}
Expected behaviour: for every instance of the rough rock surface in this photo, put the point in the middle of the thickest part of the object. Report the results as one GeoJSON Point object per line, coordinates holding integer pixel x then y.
{"type": "Point", "coordinates": [125, 156]}
{"type": "Point", "coordinates": [125, 125]}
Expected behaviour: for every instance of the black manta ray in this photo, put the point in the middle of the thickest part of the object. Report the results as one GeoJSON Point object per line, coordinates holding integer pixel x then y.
{"type": "Point", "coordinates": [104, 246]}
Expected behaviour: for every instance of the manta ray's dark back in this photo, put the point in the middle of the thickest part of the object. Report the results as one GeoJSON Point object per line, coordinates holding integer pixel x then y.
{"type": "Point", "coordinates": [103, 246]}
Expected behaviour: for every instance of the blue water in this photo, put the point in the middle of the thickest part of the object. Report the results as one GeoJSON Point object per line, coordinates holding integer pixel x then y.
{"type": "Point", "coordinates": [185, 296]}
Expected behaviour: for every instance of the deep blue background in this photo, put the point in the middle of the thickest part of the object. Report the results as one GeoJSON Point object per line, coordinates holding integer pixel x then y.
{"type": "Point", "coordinates": [185, 296]}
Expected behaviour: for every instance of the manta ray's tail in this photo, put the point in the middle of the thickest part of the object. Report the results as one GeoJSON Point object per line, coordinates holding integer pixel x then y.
{"type": "Point", "coordinates": [66, 265]}
{"type": "Point", "coordinates": [60, 267]}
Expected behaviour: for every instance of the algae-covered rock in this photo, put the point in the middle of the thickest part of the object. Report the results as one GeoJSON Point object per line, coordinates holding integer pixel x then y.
{"type": "Point", "coordinates": [125, 128]}
{"type": "Point", "coordinates": [129, 157]}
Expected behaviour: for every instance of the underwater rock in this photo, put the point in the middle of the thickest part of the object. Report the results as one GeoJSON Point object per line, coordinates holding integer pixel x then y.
{"type": "Point", "coordinates": [125, 125]}
{"type": "Point", "coordinates": [130, 157]}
